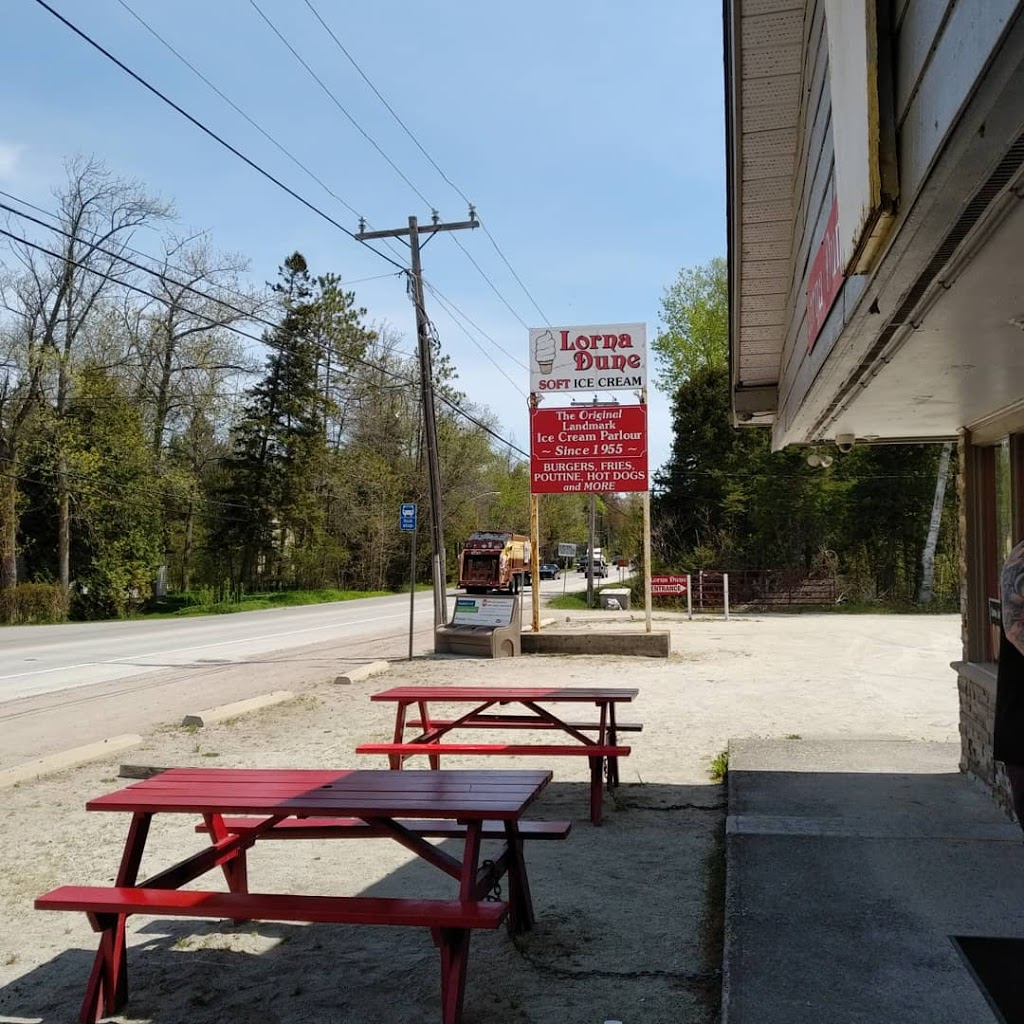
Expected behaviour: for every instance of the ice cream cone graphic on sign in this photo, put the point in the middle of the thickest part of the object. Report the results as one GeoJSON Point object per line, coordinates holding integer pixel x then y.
{"type": "Point", "coordinates": [544, 351]}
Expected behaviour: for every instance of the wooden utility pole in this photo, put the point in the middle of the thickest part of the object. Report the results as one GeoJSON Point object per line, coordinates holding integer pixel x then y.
{"type": "Point", "coordinates": [413, 232]}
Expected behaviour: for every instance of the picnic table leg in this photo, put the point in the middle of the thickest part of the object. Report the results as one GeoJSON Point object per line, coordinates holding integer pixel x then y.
{"type": "Point", "coordinates": [595, 789]}
{"type": "Point", "coordinates": [521, 917]}
{"type": "Point", "coordinates": [395, 760]}
{"type": "Point", "coordinates": [426, 726]}
{"type": "Point", "coordinates": [613, 740]}
{"type": "Point", "coordinates": [470, 860]}
{"type": "Point", "coordinates": [107, 989]}
{"type": "Point", "coordinates": [453, 944]}
{"type": "Point", "coordinates": [236, 869]}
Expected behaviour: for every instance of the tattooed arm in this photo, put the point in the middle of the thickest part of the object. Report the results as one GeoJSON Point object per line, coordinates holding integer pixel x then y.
{"type": "Point", "coordinates": [1011, 583]}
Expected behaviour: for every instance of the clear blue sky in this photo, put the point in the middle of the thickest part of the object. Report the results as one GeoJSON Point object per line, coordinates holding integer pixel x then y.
{"type": "Point", "coordinates": [589, 134]}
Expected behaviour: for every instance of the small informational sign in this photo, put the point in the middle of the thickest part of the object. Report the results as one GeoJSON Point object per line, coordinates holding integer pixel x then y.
{"type": "Point", "coordinates": [606, 357]}
{"type": "Point", "coordinates": [566, 550]}
{"type": "Point", "coordinates": [668, 584]}
{"type": "Point", "coordinates": [474, 610]}
{"type": "Point", "coordinates": [407, 516]}
{"type": "Point", "coordinates": [594, 448]}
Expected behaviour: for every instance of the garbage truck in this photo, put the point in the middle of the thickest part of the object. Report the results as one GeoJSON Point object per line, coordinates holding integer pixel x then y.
{"type": "Point", "coordinates": [494, 560]}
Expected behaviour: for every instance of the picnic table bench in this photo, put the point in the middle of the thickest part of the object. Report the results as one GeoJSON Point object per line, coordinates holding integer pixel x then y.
{"type": "Point", "coordinates": [408, 807]}
{"type": "Point", "coordinates": [431, 738]}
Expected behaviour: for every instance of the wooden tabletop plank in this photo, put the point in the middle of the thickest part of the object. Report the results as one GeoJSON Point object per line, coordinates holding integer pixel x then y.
{"type": "Point", "coordinates": [443, 794]}
{"type": "Point", "coordinates": [316, 776]}
{"type": "Point", "coordinates": [559, 694]}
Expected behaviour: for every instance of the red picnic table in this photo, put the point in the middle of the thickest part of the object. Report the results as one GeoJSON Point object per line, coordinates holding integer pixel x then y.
{"type": "Point", "coordinates": [602, 749]}
{"type": "Point", "coordinates": [408, 807]}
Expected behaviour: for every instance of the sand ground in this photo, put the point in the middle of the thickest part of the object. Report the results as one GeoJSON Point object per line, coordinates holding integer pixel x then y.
{"type": "Point", "coordinates": [629, 914]}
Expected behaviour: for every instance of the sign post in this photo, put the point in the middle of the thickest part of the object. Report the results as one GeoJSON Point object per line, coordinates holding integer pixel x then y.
{"type": "Point", "coordinates": [407, 523]}
{"type": "Point", "coordinates": [566, 552]}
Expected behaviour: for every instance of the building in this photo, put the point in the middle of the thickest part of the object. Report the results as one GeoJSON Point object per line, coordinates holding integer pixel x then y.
{"type": "Point", "coordinates": [876, 255]}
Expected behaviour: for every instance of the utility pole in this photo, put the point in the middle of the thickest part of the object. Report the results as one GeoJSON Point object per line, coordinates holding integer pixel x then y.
{"type": "Point", "coordinates": [413, 232]}
{"type": "Point", "coordinates": [593, 519]}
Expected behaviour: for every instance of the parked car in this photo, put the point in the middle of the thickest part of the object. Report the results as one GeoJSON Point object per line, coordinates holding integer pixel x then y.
{"type": "Point", "coordinates": [600, 569]}
{"type": "Point", "coordinates": [550, 572]}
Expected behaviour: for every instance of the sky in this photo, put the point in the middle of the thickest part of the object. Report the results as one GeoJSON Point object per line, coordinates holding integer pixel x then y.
{"type": "Point", "coordinates": [589, 134]}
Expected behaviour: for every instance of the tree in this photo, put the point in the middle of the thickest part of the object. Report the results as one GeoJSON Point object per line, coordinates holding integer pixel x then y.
{"type": "Point", "coordinates": [279, 441]}
{"type": "Point", "coordinates": [117, 545]}
{"type": "Point", "coordinates": [924, 594]}
{"type": "Point", "coordinates": [695, 331]}
{"type": "Point", "coordinates": [183, 348]}
{"type": "Point", "coordinates": [54, 300]}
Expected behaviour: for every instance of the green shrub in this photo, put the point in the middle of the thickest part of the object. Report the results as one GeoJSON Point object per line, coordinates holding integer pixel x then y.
{"type": "Point", "coordinates": [33, 604]}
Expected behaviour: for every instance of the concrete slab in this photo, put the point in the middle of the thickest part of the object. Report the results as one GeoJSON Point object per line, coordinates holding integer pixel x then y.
{"type": "Point", "coordinates": [850, 866]}
{"type": "Point", "coordinates": [67, 759]}
{"type": "Point", "coordinates": [610, 642]}
{"type": "Point", "coordinates": [239, 707]}
{"type": "Point", "coordinates": [361, 672]}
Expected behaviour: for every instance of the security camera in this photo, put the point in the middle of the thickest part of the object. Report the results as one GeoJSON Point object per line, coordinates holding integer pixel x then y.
{"type": "Point", "coordinates": [844, 442]}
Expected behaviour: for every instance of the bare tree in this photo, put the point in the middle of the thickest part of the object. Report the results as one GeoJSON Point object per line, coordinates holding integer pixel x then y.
{"type": "Point", "coordinates": [183, 341]}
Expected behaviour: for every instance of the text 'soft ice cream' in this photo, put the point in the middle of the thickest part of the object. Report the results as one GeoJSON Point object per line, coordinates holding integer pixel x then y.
{"type": "Point", "coordinates": [544, 351]}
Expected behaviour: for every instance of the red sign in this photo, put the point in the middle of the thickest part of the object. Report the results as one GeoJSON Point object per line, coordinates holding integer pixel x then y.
{"type": "Point", "coordinates": [667, 585]}
{"type": "Point", "coordinates": [599, 448]}
{"type": "Point", "coordinates": [825, 278]}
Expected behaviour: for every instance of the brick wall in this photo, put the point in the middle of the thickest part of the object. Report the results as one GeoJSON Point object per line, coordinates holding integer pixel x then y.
{"type": "Point", "coordinates": [976, 683]}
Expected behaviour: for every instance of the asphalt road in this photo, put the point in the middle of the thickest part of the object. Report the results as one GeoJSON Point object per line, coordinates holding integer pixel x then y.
{"type": "Point", "coordinates": [64, 686]}
{"type": "Point", "coordinates": [37, 660]}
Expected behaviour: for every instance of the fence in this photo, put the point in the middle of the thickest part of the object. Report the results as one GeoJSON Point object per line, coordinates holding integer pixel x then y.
{"type": "Point", "coordinates": [761, 589]}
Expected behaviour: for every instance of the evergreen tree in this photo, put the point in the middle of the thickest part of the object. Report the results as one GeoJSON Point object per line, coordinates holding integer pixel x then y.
{"type": "Point", "coordinates": [278, 443]}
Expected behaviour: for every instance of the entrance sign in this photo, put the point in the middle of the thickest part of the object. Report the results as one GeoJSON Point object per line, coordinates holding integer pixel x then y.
{"type": "Point", "coordinates": [566, 550]}
{"type": "Point", "coordinates": [668, 585]}
{"type": "Point", "coordinates": [588, 449]}
{"type": "Point", "coordinates": [608, 357]}
{"type": "Point", "coordinates": [407, 516]}
{"type": "Point", "coordinates": [483, 611]}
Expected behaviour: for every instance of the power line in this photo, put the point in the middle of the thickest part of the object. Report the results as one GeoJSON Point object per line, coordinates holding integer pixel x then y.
{"type": "Point", "coordinates": [373, 142]}
{"type": "Point", "coordinates": [404, 381]}
{"type": "Point", "coordinates": [355, 124]}
{"type": "Point", "coordinates": [408, 131]}
{"type": "Point", "coordinates": [238, 110]}
{"type": "Point", "coordinates": [209, 131]}
{"type": "Point", "coordinates": [512, 271]}
{"type": "Point", "coordinates": [444, 300]}
{"type": "Point", "coordinates": [232, 149]}
{"type": "Point", "coordinates": [483, 351]}
{"type": "Point", "coordinates": [493, 286]}
{"type": "Point", "coordinates": [391, 110]}
{"type": "Point", "coordinates": [161, 263]}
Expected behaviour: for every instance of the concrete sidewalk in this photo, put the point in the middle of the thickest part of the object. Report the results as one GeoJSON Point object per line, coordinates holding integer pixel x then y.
{"type": "Point", "coordinates": [850, 867]}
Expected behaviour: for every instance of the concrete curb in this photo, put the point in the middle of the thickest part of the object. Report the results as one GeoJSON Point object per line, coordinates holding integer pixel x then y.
{"type": "Point", "coordinates": [66, 759]}
{"type": "Point", "coordinates": [361, 672]}
{"type": "Point", "coordinates": [239, 707]}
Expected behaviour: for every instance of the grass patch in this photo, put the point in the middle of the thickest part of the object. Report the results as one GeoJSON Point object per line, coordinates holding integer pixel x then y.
{"type": "Point", "coordinates": [577, 600]}
{"type": "Point", "coordinates": [719, 766]}
{"type": "Point", "coordinates": [203, 603]}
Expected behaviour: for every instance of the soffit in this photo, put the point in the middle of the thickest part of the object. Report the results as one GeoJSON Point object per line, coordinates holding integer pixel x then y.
{"type": "Point", "coordinates": [766, 86]}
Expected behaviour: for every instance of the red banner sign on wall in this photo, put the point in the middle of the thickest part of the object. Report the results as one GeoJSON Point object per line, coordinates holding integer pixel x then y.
{"type": "Point", "coordinates": [825, 278]}
{"type": "Point", "coordinates": [601, 448]}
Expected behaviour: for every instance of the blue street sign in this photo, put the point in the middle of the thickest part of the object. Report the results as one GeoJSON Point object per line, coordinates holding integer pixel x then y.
{"type": "Point", "coordinates": [407, 516]}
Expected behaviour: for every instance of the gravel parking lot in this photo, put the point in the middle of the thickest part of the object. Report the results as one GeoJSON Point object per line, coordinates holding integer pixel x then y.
{"type": "Point", "coordinates": [628, 914]}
